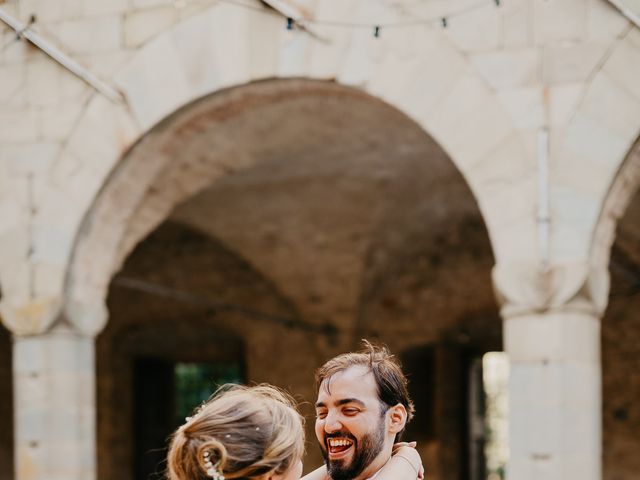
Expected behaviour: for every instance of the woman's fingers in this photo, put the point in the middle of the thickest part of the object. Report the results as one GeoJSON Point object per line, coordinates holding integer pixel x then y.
{"type": "Point", "coordinates": [399, 445]}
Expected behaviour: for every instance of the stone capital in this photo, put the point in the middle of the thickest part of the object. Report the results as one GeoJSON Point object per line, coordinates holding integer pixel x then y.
{"type": "Point", "coordinates": [88, 318]}
{"type": "Point", "coordinates": [523, 289]}
{"type": "Point", "coordinates": [40, 316]}
{"type": "Point", "coordinates": [32, 317]}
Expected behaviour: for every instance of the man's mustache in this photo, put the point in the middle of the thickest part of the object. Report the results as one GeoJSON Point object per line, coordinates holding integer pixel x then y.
{"type": "Point", "coordinates": [341, 434]}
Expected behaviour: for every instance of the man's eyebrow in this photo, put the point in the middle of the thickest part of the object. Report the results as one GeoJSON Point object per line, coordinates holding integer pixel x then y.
{"type": "Point", "coordinates": [345, 401]}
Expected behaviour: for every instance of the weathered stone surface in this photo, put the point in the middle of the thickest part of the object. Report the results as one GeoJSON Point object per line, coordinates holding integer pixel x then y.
{"type": "Point", "coordinates": [482, 88]}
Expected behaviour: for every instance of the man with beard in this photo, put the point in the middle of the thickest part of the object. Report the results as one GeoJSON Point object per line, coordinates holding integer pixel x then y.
{"type": "Point", "coordinates": [362, 409]}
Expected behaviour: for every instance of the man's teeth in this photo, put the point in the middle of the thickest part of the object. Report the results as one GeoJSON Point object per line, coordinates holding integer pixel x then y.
{"type": "Point", "coordinates": [339, 442]}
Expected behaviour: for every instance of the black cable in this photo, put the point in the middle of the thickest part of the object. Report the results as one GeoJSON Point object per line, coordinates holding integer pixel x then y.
{"type": "Point", "coordinates": [376, 27]}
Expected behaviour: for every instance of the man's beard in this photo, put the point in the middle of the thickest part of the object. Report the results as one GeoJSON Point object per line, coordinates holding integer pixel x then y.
{"type": "Point", "coordinates": [366, 450]}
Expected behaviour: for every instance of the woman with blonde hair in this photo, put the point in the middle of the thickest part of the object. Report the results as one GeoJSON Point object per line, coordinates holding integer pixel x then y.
{"type": "Point", "coordinates": [253, 433]}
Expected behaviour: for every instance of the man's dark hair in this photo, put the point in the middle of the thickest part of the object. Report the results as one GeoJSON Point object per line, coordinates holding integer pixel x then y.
{"type": "Point", "coordinates": [391, 382]}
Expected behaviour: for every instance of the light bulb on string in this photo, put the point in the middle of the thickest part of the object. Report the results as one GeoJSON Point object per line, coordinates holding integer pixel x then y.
{"type": "Point", "coordinates": [289, 31]}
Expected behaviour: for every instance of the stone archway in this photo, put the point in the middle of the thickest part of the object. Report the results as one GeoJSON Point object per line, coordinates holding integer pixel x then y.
{"type": "Point", "coordinates": [171, 164]}
{"type": "Point", "coordinates": [332, 195]}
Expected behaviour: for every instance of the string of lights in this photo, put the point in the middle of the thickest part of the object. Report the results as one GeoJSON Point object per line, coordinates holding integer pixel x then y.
{"type": "Point", "coordinates": [375, 27]}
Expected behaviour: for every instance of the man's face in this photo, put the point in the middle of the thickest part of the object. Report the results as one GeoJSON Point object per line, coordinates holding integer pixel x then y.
{"type": "Point", "coordinates": [351, 425]}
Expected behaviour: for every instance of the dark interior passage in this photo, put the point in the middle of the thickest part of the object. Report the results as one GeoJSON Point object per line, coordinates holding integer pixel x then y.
{"type": "Point", "coordinates": [6, 406]}
{"type": "Point", "coordinates": [621, 353]}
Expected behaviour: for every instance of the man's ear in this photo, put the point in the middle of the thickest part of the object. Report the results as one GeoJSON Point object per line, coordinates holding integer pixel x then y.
{"type": "Point", "coordinates": [397, 418]}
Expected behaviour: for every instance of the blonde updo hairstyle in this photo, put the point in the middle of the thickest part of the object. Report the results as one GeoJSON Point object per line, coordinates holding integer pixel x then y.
{"type": "Point", "coordinates": [247, 431]}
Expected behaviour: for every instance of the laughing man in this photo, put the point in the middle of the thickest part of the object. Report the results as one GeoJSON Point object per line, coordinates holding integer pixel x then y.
{"type": "Point", "coordinates": [362, 409]}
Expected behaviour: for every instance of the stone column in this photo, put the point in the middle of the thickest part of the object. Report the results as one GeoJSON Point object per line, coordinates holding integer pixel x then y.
{"type": "Point", "coordinates": [54, 382]}
{"type": "Point", "coordinates": [552, 337]}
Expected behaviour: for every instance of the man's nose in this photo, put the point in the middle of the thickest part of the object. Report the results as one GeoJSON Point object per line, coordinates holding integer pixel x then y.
{"type": "Point", "coordinates": [332, 423]}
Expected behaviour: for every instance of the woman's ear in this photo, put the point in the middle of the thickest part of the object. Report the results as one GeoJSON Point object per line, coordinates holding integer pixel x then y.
{"type": "Point", "coordinates": [397, 418]}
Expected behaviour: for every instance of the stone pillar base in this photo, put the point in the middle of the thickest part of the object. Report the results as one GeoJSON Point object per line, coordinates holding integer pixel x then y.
{"type": "Point", "coordinates": [555, 397]}
{"type": "Point", "coordinates": [54, 382]}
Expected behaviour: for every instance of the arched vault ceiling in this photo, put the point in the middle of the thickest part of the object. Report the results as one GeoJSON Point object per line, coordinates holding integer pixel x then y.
{"type": "Point", "coordinates": [306, 179]}
{"type": "Point", "coordinates": [343, 188]}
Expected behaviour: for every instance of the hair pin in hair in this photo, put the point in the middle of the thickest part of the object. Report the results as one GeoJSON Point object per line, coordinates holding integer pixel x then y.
{"type": "Point", "coordinates": [212, 470]}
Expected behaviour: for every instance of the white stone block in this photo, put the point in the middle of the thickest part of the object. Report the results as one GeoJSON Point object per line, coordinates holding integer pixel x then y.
{"type": "Point", "coordinates": [230, 26]}
{"type": "Point", "coordinates": [559, 21]}
{"type": "Point", "coordinates": [15, 276]}
{"type": "Point", "coordinates": [294, 54]}
{"type": "Point", "coordinates": [326, 58]}
{"type": "Point", "coordinates": [51, 244]}
{"type": "Point", "coordinates": [29, 158]}
{"type": "Point", "coordinates": [565, 63]}
{"type": "Point", "coordinates": [29, 355]}
{"type": "Point", "coordinates": [10, 213]}
{"type": "Point", "coordinates": [633, 37]}
{"type": "Point", "coordinates": [573, 205]}
{"type": "Point", "coordinates": [104, 132]}
{"type": "Point", "coordinates": [57, 122]}
{"type": "Point", "coordinates": [525, 106]}
{"type": "Point", "coordinates": [263, 45]}
{"type": "Point", "coordinates": [43, 81]}
{"type": "Point", "coordinates": [570, 241]}
{"type": "Point", "coordinates": [150, 3]}
{"type": "Point", "coordinates": [586, 137]}
{"type": "Point", "coordinates": [89, 35]}
{"type": "Point", "coordinates": [515, 240]}
{"type": "Point", "coordinates": [16, 51]}
{"type": "Point", "coordinates": [100, 7]}
{"type": "Point", "coordinates": [194, 44]}
{"type": "Point", "coordinates": [604, 21]}
{"type": "Point", "coordinates": [469, 122]}
{"type": "Point", "coordinates": [48, 11]}
{"type": "Point", "coordinates": [476, 31]}
{"type": "Point", "coordinates": [563, 101]}
{"type": "Point", "coordinates": [18, 125]}
{"type": "Point", "coordinates": [517, 24]}
{"type": "Point", "coordinates": [222, 56]}
{"type": "Point", "coordinates": [359, 63]}
{"type": "Point", "coordinates": [510, 202]}
{"type": "Point", "coordinates": [508, 69]}
{"type": "Point", "coordinates": [48, 278]}
{"type": "Point", "coordinates": [422, 81]}
{"type": "Point", "coordinates": [142, 25]}
{"type": "Point", "coordinates": [153, 85]}
{"type": "Point", "coordinates": [615, 108]}
{"type": "Point", "coordinates": [623, 66]}
{"type": "Point", "coordinates": [507, 164]}
{"type": "Point", "coordinates": [553, 338]}
{"type": "Point", "coordinates": [12, 83]}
